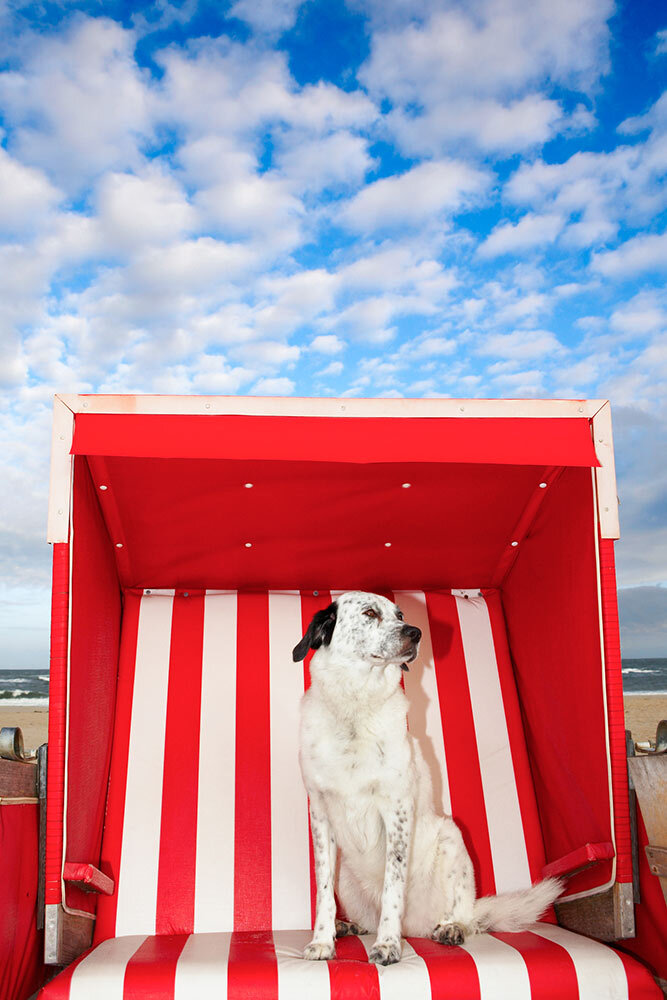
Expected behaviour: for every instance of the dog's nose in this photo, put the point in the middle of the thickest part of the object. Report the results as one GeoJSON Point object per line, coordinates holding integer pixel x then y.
{"type": "Point", "coordinates": [412, 632]}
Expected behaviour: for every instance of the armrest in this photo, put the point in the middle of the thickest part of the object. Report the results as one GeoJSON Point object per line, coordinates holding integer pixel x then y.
{"type": "Point", "coordinates": [576, 861]}
{"type": "Point", "coordinates": [88, 878]}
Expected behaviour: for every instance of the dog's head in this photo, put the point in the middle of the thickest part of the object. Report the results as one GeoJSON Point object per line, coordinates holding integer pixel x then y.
{"type": "Point", "coordinates": [362, 627]}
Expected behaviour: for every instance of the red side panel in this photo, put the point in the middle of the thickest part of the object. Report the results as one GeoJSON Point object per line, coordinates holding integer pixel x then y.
{"type": "Point", "coordinates": [551, 605]}
{"type": "Point", "coordinates": [512, 440]}
{"type": "Point", "coordinates": [615, 710]}
{"type": "Point", "coordinates": [21, 944]}
{"type": "Point", "coordinates": [57, 711]}
{"type": "Point", "coordinates": [93, 669]}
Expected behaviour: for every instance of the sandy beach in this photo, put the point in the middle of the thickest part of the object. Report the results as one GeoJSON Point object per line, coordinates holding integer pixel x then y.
{"type": "Point", "coordinates": [642, 714]}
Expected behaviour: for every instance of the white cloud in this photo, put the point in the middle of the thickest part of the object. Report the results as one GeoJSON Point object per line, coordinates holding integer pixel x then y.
{"type": "Point", "coordinates": [455, 72]}
{"type": "Point", "coordinates": [266, 354]}
{"type": "Point", "coordinates": [520, 345]}
{"type": "Point", "coordinates": [644, 313]}
{"type": "Point", "coordinates": [273, 387]}
{"type": "Point", "coordinates": [317, 163]}
{"type": "Point", "coordinates": [27, 196]}
{"type": "Point", "coordinates": [327, 343]}
{"type": "Point", "coordinates": [530, 231]}
{"type": "Point", "coordinates": [426, 192]}
{"type": "Point", "coordinates": [661, 42]}
{"type": "Point", "coordinates": [335, 368]}
{"type": "Point", "coordinates": [267, 16]}
{"type": "Point", "coordinates": [137, 210]}
{"type": "Point", "coordinates": [80, 105]}
{"type": "Point", "coordinates": [641, 254]}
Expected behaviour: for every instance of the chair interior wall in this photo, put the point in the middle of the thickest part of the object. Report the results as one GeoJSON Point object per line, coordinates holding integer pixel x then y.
{"type": "Point", "coordinates": [550, 599]}
{"type": "Point", "coordinates": [96, 601]}
{"type": "Point", "coordinates": [549, 596]}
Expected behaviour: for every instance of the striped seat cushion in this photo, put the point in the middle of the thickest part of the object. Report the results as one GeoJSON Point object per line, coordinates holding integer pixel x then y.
{"type": "Point", "coordinates": [207, 820]}
{"type": "Point", "coordinates": [545, 963]}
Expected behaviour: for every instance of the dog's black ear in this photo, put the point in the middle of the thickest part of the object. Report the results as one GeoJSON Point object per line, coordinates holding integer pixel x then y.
{"type": "Point", "coordinates": [318, 633]}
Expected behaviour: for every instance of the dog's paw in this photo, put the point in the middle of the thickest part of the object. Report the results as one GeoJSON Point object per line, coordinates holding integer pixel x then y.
{"type": "Point", "coordinates": [343, 928]}
{"type": "Point", "coordinates": [319, 951]}
{"type": "Point", "coordinates": [385, 952]}
{"type": "Point", "coordinates": [448, 934]}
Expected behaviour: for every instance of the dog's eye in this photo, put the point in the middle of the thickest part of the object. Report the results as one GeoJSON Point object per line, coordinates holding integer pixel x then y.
{"type": "Point", "coordinates": [399, 615]}
{"type": "Point", "coordinates": [371, 613]}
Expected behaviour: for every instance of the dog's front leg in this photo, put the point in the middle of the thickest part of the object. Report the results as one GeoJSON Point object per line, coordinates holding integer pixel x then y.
{"type": "Point", "coordinates": [398, 817]}
{"type": "Point", "coordinates": [324, 850]}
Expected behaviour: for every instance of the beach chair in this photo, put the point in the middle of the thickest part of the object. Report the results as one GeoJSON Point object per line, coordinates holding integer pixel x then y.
{"type": "Point", "coordinates": [193, 540]}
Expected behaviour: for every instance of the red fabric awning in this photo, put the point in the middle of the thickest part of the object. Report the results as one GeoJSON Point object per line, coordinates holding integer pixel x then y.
{"type": "Point", "coordinates": [362, 440]}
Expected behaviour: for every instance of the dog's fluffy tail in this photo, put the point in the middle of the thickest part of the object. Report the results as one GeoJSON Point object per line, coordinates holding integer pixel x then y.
{"type": "Point", "coordinates": [515, 911]}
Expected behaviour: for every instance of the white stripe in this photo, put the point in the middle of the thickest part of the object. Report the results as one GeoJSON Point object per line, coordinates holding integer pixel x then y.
{"type": "Point", "coordinates": [214, 871]}
{"type": "Point", "coordinates": [407, 978]}
{"type": "Point", "coordinates": [600, 971]}
{"type": "Point", "coordinates": [290, 855]}
{"type": "Point", "coordinates": [501, 969]}
{"type": "Point", "coordinates": [201, 970]}
{"type": "Point", "coordinates": [140, 852]}
{"type": "Point", "coordinates": [299, 979]}
{"type": "Point", "coordinates": [102, 973]}
{"type": "Point", "coordinates": [421, 688]}
{"type": "Point", "coordinates": [506, 834]}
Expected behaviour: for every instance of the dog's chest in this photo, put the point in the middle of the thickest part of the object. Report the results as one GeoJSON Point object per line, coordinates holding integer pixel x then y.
{"type": "Point", "coordinates": [350, 758]}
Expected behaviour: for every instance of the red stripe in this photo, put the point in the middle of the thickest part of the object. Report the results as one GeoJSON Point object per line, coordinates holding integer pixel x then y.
{"type": "Point", "coordinates": [105, 924]}
{"type": "Point", "coordinates": [550, 967]}
{"type": "Point", "coordinates": [252, 970]}
{"type": "Point", "coordinates": [530, 819]}
{"type": "Point", "coordinates": [458, 727]}
{"type": "Point", "coordinates": [351, 975]}
{"type": "Point", "coordinates": [451, 970]}
{"type": "Point", "coordinates": [178, 834]}
{"type": "Point", "coordinates": [310, 603]}
{"type": "Point", "coordinates": [151, 971]}
{"type": "Point", "coordinates": [252, 819]}
{"type": "Point", "coordinates": [55, 795]}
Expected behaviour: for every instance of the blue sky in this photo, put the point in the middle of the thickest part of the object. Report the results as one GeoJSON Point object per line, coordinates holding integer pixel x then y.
{"type": "Point", "coordinates": [365, 198]}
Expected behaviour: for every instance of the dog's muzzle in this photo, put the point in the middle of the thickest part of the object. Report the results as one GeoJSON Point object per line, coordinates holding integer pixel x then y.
{"type": "Point", "coordinates": [413, 634]}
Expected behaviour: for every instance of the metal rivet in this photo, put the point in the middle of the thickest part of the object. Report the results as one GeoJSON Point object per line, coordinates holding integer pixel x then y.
{"type": "Point", "coordinates": [606, 508]}
{"type": "Point", "coordinates": [543, 486]}
{"type": "Point", "coordinates": [207, 406]}
{"type": "Point", "coordinates": [581, 409]}
{"type": "Point", "coordinates": [316, 593]}
{"type": "Point", "coordinates": [514, 544]}
{"type": "Point", "coordinates": [600, 440]}
{"type": "Point", "coordinates": [248, 486]}
{"type": "Point", "coordinates": [462, 409]}
{"type": "Point", "coordinates": [104, 487]}
{"type": "Point", "coordinates": [119, 545]}
{"type": "Point", "coordinates": [248, 545]}
{"type": "Point", "coordinates": [387, 545]}
{"type": "Point", "coordinates": [186, 593]}
{"type": "Point", "coordinates": [62, 437]}
{"type": "Point", "coordinates": [406, 486]}
{"type": "Point", "coordinates": [148, 591]}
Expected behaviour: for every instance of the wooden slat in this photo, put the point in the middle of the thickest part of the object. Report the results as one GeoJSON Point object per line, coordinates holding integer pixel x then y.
{"type": "Point", "coordinates": [18, 779]}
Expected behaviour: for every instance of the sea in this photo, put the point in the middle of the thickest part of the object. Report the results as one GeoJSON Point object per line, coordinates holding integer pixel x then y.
{"type": "Point", "coordinates": [30, 688]}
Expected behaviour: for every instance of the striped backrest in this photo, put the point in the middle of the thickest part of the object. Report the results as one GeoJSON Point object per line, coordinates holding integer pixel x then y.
{"type": "Point", "coordinates": [207, 819]}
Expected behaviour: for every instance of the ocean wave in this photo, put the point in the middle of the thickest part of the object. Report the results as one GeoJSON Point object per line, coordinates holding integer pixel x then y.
{"type": "Point", "coordinates": [43, 677]}
{"type": "Point", "coordinates": [640, 670]}
{"type": "Point", "coordinates": [6, 695]}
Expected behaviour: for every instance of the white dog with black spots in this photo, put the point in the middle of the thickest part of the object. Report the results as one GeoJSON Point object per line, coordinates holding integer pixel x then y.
{"type": "Point", "coordinates": [404, 870]}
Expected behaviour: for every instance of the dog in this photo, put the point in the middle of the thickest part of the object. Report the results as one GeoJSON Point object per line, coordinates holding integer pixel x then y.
{"type": "Point", "coordinates": [403, 869]}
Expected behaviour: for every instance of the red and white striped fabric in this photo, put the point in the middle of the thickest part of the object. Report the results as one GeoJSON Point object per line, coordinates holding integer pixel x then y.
{"type": "Point", "coordinates": [546, 962]}
{"type": "Point", "coordinates": [207, 832]}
